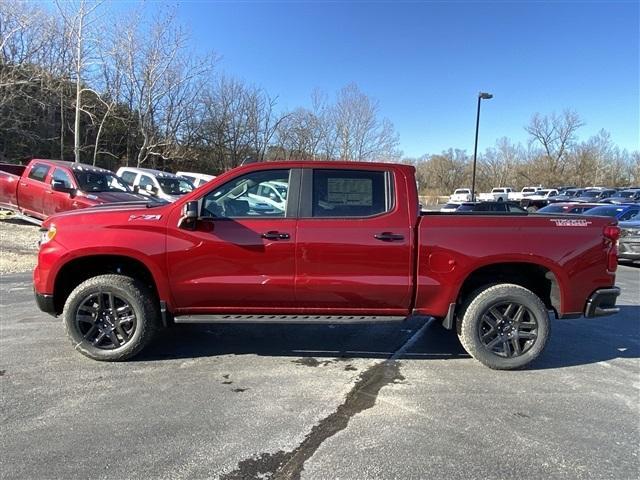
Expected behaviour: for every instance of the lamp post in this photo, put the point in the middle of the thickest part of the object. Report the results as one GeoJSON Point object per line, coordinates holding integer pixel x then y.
{"type": "Point", "coordinates": [481, 96]}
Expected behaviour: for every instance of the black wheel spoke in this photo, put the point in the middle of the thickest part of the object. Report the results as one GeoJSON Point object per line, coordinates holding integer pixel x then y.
{"type": "Point", "coordinates": [508, 310]}
{"type": "Point", "coordinates": [86, 319]}
{"type": "Point", "coordinates": [490, 321]}
{"type": "Point", "coordinates": [517, 318]}
{"type": "Point", "coordinates": [515, 344]}
{"type": "Point", "coordinates": [114, 338]}
{"type": "Point", "coordinates": [91, 332]}
{"type": "Point", "coordinates": [99, 338]}
{"type": "Point", "coordinates": [527, 335]}
{"type": "Point", "coordinates": [496, 314]}
{"type": "Point", "coordinates": [100, 302]}
{"type": "Point", "coordinates": [122, 332]}
{"type": "Point", "coordinates": [506, 346]}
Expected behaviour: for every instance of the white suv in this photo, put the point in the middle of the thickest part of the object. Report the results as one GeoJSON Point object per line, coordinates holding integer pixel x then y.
{"type": "Point", "coordinates": [198, 179]}
{"type": "Point", "coordinates": [155, 183]}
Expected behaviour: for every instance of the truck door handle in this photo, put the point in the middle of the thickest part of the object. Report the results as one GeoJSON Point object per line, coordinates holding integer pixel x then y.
{"type": "Point", "coordinates": [389, 237]}
{"type": "Point", "coordinates": [272, 235]}
{"type": "Point", "coordinates": [23, 184]}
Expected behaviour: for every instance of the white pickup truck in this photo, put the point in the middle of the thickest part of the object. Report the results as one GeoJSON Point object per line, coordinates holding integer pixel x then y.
{"type": "Point", "coordinates": [500, 194]}
{"type": "Point", "coordinates": [460, 195]}
{"type": "Point", "coordinates": [525, 192]}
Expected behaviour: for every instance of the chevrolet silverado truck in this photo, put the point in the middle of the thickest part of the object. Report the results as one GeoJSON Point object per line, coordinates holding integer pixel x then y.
{"type": "Point", "coordinates": [46, 187]}
{"type": "Point", "coordinates": [350, 245]}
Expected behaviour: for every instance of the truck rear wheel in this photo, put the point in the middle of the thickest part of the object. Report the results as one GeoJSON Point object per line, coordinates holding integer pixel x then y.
{"type": "Point", "coordinates": [110, 317]}
{"type": "Point", "coordinates": [504, 326]}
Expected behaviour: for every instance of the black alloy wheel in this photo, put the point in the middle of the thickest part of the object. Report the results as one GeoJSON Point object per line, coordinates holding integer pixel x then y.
{"type": "Point", "coordinates": [504, 326]}
{"type": "Point", "coordinates": [106, 320]}
{"type": "Point", "coordinates": [508, 329]}
{"type": "Point", "coordinates": [111, 317]}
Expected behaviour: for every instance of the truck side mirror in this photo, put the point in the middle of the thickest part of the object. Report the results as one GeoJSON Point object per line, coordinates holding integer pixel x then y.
{"type": "Point", "coordinates": [60, 186]}
{"type": "Point", "coordinates": [189, 217]}
{"type": "Point", "coordinates": [151, 189]}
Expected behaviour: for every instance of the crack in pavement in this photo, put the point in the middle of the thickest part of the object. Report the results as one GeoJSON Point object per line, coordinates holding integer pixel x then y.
{"type": "Point", "coordinates": [289, 465]}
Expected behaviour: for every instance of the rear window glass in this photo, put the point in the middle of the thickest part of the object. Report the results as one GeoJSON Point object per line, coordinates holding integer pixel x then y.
{"type": "Point", "coordinates": [349, 193]}
{"type": "Point", "coordinates": [39, 172]}
{"type": "Point", "coordinates": [128, 177]}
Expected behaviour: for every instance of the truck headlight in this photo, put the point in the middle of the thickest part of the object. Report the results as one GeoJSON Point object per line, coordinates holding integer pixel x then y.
{"type": "Point", "coordinates": [47, 234]}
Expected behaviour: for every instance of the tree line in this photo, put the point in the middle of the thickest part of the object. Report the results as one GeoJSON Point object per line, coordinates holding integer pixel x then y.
{"type": "Point", "coordinates": [81, 82]}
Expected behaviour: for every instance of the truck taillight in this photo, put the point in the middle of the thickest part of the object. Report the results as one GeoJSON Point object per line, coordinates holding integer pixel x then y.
{"type": "Point", "coordinates": [612, 234]}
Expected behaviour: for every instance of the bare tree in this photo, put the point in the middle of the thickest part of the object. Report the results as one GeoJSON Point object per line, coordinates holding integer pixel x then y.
{"type": "Point", "coordinates": [555, 135]}
{"type": "Point", "coordinates": [362, 135]}
{"type": "Point", "coordinates": [498, 165]}
{"type": "Point", "coordinates": [79, 23]}
{"type": "Point", "coordinates": [163, 79]}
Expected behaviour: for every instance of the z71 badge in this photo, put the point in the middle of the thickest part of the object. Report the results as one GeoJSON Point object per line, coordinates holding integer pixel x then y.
{"type": "Point", "coordinates": [145, 217]}
{"type": "Point", "coordinates": [570, 222]}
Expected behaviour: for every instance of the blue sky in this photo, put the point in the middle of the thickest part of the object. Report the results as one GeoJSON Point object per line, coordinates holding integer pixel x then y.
{"type": "Point", "coordinates": [426, 61]}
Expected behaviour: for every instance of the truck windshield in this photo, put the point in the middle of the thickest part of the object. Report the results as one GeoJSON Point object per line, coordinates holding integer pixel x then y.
{"type": "Point", "coordinates": [175, 186]}
{"type": "Point", "coordinates": [97, 181]}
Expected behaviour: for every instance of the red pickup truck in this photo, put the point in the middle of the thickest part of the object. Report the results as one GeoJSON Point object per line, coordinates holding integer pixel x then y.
{"type": "Point", "coordinates": [46, 187]}
{"type": "Point", "coordinates": [350, 245]}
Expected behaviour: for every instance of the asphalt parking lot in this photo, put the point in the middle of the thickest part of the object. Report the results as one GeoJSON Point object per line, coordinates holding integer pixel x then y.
{"type": "Point", "coordinates": [320, 402]}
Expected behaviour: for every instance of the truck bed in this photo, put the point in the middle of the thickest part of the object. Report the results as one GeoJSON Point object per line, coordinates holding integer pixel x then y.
{"type": "Point", "coordinates": [9, 177]}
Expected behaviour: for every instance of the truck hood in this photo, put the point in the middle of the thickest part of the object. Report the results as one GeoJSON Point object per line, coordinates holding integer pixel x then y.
{"type": "Point", "coordinates": [112, 197]}
{"type": "Point", "coordinates": [120, 212]}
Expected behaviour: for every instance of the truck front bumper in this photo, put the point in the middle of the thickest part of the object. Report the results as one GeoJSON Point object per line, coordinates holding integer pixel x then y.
{"type": "Point", "coordinates": [45, 303]}
{"type": "Point", "coordinates": [602, 302]}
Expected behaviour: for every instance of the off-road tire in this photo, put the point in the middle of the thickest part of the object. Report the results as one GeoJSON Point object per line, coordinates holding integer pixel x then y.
{"type": "Point", "coordinates": [480, 302]}
{"type": "Point", "coordinates": [142, 302]}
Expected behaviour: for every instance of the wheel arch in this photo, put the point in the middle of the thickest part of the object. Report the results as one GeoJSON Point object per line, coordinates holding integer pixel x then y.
{"type": "Point", "coordinates": [542, 280]}
{"type": "Point", "coordinates": [79, 269]}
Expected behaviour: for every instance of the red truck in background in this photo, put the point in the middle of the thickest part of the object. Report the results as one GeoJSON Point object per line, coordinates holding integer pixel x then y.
{"type": "Point", "coordinates": [46, 187]}
{"type": "Point", "coordinates": [350, 246]}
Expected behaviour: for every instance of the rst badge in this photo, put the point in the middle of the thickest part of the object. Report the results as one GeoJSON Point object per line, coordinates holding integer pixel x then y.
{"type": "Point", "coordinates": [570, 222]}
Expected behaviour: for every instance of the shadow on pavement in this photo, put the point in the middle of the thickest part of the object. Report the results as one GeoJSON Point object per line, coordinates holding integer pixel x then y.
{"type": "Point", "coordinates": [591, 340]}
{"type": "Point", "coordinates": [336, 341]}
{"type": "Point", "coordinates": [572, 343]}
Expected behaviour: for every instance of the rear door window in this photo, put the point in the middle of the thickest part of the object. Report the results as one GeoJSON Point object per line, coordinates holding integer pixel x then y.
{"type": "Point", "coordinates": [350, 193]}
{"type": "Point", "coordinates": [128, 178]}
{"type": "Point", "coordinates": [39, 172]}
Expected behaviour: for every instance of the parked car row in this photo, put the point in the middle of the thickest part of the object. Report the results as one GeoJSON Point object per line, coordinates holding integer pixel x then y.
{"type": "Point", "coordinates": [45, 187]}
{"type": "Point", "coordinates": [534, 198]}
{"type": "Point", "coordinates": [497, 206]}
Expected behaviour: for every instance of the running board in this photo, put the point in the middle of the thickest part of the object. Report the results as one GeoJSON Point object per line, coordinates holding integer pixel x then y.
{"type": "Point", "coordinates": [287, 319]}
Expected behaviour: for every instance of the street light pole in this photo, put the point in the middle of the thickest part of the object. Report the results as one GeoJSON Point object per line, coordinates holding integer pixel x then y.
{"type": "Point", "coordinates": [481, 96]}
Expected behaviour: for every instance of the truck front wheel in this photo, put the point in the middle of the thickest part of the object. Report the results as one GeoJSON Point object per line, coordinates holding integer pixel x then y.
{"type": "Point", "coordinates": [504, 326]}
{"type": "Point", "coordinates": [110, 317]}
